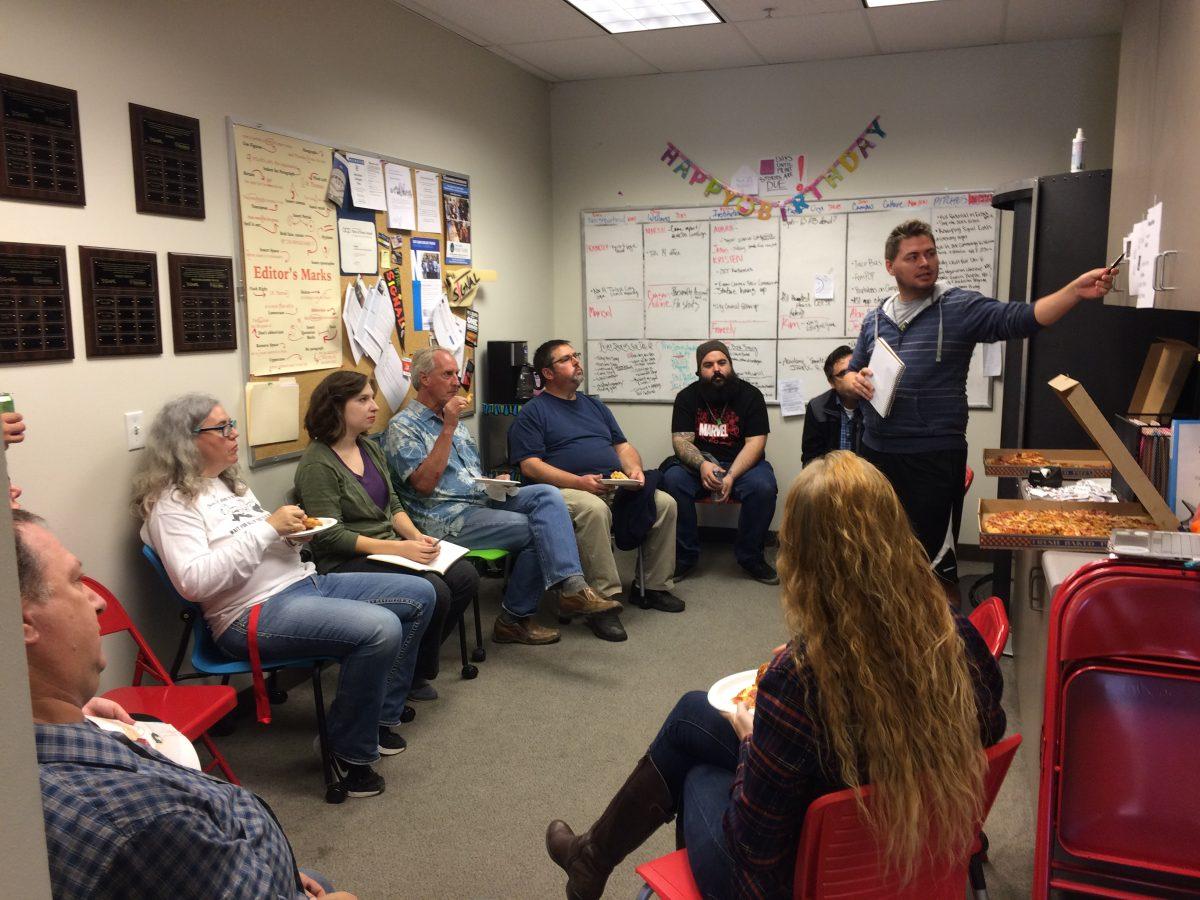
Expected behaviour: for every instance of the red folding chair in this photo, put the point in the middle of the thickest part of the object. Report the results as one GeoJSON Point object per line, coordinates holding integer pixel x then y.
{"type": "Point", "coordinates": [991, 621]}
{"type": "Point", "coordinates": [1120, 788]}
{"type": "Point", "coordinates": [838, 858]}
{"type": "Point", "coordinates": [193, 709]}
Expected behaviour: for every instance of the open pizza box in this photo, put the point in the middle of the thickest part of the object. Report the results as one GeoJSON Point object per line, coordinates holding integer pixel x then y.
{"type": "Point", "coordinates": [1075, 464]}
{"type": "Point", "coordinates": [1150, 502]}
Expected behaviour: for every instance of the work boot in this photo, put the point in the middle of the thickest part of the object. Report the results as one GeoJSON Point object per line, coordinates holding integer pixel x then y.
{"type": "Point", "coordinates": [641, 805]}
{"type": "Point", "coordinates": [585, 602]}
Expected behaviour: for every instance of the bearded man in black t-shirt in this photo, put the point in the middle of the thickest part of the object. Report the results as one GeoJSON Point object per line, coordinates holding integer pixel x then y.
{"type": "Point", "coordinates": [719, 432]}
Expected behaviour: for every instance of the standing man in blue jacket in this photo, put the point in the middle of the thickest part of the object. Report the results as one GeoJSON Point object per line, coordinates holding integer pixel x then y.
{"type": "Point", "coordinates": [922, 445]}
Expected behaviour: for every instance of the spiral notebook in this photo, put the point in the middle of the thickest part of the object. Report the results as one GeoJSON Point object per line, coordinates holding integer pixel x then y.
{"type": "Point", "coordinates": [887, 368]}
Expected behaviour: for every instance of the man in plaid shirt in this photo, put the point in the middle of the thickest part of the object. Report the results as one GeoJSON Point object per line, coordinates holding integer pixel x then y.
{"type": "Point", "coordinates": [121, 819]}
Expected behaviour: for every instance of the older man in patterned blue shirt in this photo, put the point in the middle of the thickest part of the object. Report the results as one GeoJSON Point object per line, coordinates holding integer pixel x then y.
{"type": "Point", "coordinates": [434, 467]}
{"type": "Point", "coordinates": [121, 819]}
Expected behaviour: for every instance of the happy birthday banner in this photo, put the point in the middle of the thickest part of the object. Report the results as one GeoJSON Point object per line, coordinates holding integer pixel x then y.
{"type": "Point", "coordinates": [749, 204]}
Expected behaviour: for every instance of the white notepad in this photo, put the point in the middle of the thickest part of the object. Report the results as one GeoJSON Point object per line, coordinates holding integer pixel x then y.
{"type": "Point", "coordinates": [886, 370]}
{"type": "Point", "coordinates": [448, 555]}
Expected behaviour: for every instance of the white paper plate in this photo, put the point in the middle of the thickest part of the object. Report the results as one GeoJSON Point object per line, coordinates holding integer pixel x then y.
{"type": "Point", "coordinates": [326, 522]}
{"type": "Point", "coordinates": [628, 483]}
{"type": "Point", "coordinates": [721, 694]}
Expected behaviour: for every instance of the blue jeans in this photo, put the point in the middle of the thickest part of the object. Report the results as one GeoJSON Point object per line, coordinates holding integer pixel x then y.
{"type": "Point", "coordinates": [755, 489]}
{"type": "Point", "coordinates": [535, 525]}
{"type": "Point", "coordinates": [371, 623]}
{"type": "Point", "coordinates": [696, 752]}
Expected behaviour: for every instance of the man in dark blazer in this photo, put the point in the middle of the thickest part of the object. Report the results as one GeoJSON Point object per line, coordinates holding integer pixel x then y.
{"type": "Point", "coordinates": [832, 420]}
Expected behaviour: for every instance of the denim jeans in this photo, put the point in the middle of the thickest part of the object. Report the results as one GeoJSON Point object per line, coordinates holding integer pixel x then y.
{"type": "Point", "coordinates": [371, 623]}
{"type": "Point", "coordinates": [755, 489]}
{"type": "Point", "coordinates": [696, 752]}
{"type": "Point", "coordinates": [535, 525]}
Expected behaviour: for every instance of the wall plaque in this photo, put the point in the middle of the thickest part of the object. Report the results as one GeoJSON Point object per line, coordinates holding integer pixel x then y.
{"type": "Point", "coordinates": [202, 316]}
{"type": "Point", "coordinates": [120, 302]}
{"type": "Point", "coordinates": [35, 309]}
{"type": "Point", "coordinates": [167, 175]}
{"type": "Point", "coordinates": [40, 155]}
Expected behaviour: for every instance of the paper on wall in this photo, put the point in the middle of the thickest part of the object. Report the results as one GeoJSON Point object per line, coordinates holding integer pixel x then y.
{"type": "Point", "coordinates": [272, 411]}
{"type": "Point", "coordinates": [993, 359]}
{"type": "Point", "coordinates": [398, 179]}
{"type": "Point", "coordinates": [791, 396]}
{"type": "Point", "coordinates": [823, 285]}
{"type": "Point", "coordinates": [339, 172]}
{"type": "Point", "coordinates": [392, 378]}
{"type": "Point", "coordinates": [428, 213]}
{"type": "Point", "coordinates": [356, 247]}
{"type": "Point", "coordinates": [352, 313]}
{"type": "Point", "coordinates": [366, 181]}
{"type": "Point", "coordinates": [450, 331]}
{"type": "Point", "coordinates": [1148, 253]}
{"type": "Point", "coordinates": [378, 322]}
{"type": "Point", "coordinates": [745, 181]}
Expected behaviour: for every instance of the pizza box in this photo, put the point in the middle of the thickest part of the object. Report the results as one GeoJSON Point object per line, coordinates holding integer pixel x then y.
{"type": "Point", "coordinates": [1083, 408]}
{"type": "Point", "coordinates": [1075, 464]}
{"type": "Point", "coordinates": [1166, 368]}
{"type": "Point", "coordinates": [1098, 542]}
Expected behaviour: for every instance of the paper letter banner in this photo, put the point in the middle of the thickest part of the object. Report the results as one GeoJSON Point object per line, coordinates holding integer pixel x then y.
{"type": "Point", "coordinates": [456, 201]}
{"type": "Point", "coordinates": [290, 253]}
{"type": "Point", "coordinates": [750, 204]}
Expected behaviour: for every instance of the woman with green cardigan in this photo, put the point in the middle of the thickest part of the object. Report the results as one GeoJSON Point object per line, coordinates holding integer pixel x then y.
{"type": "Point", "coordinates": [343, 475]}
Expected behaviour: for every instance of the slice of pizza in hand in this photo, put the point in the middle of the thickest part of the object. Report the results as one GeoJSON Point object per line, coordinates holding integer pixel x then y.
{"type": "Point", "coordinates": [749, 694]}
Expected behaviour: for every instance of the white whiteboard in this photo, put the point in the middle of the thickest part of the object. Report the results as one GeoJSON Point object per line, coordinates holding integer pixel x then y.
{"type": "Point", "coordinates": [782, 294]}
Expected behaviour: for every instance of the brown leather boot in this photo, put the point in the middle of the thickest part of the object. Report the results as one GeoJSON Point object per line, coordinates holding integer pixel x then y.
{"type": "Point", "coordinates": [641, 805]}
{"type": "Point", "coordinates": [586, 602]}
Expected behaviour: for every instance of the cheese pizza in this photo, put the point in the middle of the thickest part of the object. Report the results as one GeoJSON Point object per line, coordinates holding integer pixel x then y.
{"type": "Point", "coordinates": [1023, 458]}
{"type": "Point", "coordinates": [1062, 522]}
{"type": "Point", "coordinates": [749, 694]}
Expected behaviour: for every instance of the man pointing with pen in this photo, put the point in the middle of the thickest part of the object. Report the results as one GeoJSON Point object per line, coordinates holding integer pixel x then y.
{"type": "Point", "coordinates": [921, 446]}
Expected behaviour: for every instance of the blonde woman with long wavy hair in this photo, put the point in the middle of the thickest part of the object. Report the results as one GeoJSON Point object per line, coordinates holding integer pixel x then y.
{"type": "Point", "coordinates": [880, 683]}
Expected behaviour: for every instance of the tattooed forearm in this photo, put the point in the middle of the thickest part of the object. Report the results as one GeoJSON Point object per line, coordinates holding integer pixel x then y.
{"type": "Point", "coordinates": [685, 449]}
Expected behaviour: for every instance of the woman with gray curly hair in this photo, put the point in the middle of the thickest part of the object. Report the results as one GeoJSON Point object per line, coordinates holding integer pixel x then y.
{"type": "Point", "coordinates": [224, 551]}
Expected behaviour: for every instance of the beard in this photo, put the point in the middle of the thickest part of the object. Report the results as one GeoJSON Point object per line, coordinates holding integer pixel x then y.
{"type": "Point", "coordinates": [718, 389]}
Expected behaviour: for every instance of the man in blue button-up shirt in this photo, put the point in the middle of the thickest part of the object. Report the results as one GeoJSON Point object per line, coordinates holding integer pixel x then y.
{"type": "Point", "coordinates": [121, 819]}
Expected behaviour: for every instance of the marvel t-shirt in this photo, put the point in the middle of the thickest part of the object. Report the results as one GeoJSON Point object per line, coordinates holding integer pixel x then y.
{"type": "Point", "coordinates": [721, 428]}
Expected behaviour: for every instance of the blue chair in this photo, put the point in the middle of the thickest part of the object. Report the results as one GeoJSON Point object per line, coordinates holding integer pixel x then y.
{"type": "Point", "coordinates": [208, 660]}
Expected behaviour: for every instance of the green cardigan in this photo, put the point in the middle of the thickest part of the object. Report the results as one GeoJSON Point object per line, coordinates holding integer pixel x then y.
{"type": "Point", "coordinates": [325, 487]}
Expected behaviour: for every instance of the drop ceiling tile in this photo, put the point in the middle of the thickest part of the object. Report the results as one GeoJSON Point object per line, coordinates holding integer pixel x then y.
{"type": "Point", "coordinates": [749, 10]}
{"type": "Point", "coordinates": [934, 26]}
{"type": "Point", "coordinates": [507, 22]}
{"type": "Point", "coordinates": [692, 49]}
{"type": "Point", "coordinates": [823, 36]}
{"type": "Point", "coordinates": [1036, 20]}
{"type": "Point", "coordinates": [580, 58]}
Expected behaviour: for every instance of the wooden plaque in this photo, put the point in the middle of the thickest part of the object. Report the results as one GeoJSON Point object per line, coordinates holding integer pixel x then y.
{"type": "Point", "coordinates": [167, 175]}
{"type": "Point", "coordinates": [120, 302]}
{"type": "Point", "coordinates": [35, 308]}
{"type": "Point", "coordinates": [202, 316]}
{"type": "Point", "coordinates": [40, 150]}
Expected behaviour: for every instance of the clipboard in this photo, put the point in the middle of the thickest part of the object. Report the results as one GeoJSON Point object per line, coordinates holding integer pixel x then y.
{"type": "Point", "coordinates": [887, 368]}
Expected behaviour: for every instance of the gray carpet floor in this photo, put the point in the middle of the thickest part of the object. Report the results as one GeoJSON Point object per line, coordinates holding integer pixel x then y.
{"type": "Point", "coordinates": [543, 733]}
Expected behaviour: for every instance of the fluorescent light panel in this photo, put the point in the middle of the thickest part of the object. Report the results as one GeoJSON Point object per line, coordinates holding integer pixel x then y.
{"type": "Point", "coordinates": [872, 3]}
{"type": "Point", "coordinates": [620, 16]}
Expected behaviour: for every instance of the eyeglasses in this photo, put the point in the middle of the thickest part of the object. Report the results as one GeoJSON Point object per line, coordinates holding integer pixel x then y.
{"type": "Point", "coordinates": [226, 428]}
{"type": "Point", "coordinates": [574, 357]}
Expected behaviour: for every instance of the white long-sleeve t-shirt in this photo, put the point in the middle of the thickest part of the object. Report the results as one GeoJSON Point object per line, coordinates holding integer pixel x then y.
{"type": "Point", "coordinates": [220, 551]}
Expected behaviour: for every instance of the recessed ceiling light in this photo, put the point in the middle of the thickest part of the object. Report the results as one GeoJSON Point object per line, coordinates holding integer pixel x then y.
{"type": "Point", "coordinates": [620, 16]}
{"type": "Point", "coordinates": [870, 3]}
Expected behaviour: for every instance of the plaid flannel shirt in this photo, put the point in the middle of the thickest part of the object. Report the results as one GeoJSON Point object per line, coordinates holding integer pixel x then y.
{"type": "Point", "coordinates": [783, 768]}
{"type": "Point", "coordinates": [123, 821]}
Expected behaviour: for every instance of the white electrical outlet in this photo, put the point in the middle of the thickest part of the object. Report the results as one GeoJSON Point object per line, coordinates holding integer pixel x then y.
{"type": "Point", "coordinates": [135, 436]}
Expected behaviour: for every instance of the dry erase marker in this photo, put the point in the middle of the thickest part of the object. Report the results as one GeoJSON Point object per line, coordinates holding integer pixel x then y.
{"type": "Point", "coordinates": [1116, 262]}
{"type": "Point", "coordinates": [6, 403]}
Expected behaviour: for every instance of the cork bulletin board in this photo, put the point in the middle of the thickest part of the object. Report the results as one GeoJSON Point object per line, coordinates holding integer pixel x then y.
{"type": "Point", "coordinates": [280, 184]}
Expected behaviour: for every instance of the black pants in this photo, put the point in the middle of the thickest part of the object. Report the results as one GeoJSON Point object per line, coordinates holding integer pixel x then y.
{"type": "Point", "coordinates": [930, 488]}
{"type": "Point", "coordinates": [455, 591]}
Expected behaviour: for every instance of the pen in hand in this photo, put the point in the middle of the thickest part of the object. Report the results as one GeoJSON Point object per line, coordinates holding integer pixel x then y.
{"type": "Point", "coordinates": [1116, 262]}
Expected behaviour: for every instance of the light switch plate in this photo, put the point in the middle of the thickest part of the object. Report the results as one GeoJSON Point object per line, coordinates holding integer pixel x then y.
{"type": "Point", "coordinates": [135, 436]}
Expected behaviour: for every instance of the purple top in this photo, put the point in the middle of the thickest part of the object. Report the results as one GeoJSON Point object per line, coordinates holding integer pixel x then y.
{"type": "Point", "coordinates": [371, 480]}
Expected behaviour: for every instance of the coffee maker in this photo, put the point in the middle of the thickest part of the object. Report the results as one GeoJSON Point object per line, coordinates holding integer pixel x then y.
{"type": "Point", "coordinates": [509, 374]}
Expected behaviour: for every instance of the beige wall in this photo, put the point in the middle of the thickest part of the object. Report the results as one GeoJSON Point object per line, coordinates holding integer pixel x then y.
{"type": "Point", "coordinates": [972, 118]}
{"type": "Point", "coordinates": [427, 96]}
